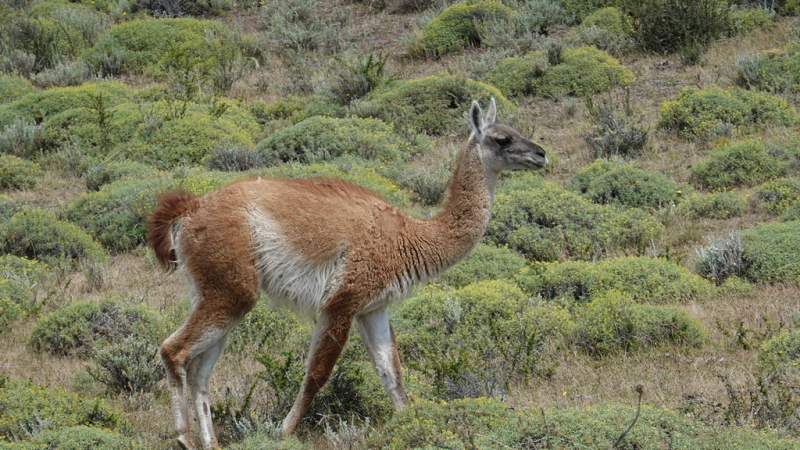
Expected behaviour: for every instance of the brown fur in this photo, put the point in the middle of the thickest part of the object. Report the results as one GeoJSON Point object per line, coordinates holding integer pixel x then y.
{"type": "Point", "coordinates": [171, 206]}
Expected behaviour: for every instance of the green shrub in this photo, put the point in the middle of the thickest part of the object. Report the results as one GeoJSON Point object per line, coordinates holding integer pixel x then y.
{"type": "Point", "coordinates": [23, 138]}
{"type": "Point", "coordinates": [13, 87]}
{"type": "Point", "coordinates": [612, 322]}
{"type": "Point", "coordinates": [472, 341]}
{"type": "Point", "coordinates": [27, 409]}
{"type": "Point", "coordinates": [365, 177]}
{"type": "Point", "coordinates": [320, 139]}
{"type": "Point", "coordinates": [716, 205]}
{"type": "Point", "coordinates": [777, 195]}
{"type": "Point", "coordinates": [615, 133]}
{"type": "Point", "coordinates": [485, 262]}
{"type": "Point", "coordinates": [454, 29]}
{"type": "Point", "coordinates": [81, 327]}
{"type": "Point", "coordinates": [293, 109]}
{"type": "Point", "coordinates": [235, 158]}
{"type": "Point", "coordinates": [129, 365]}
{"type": "Point", "coordinates": [604, 182]}
{"type": "Point", "coordinates": [609, 18]}
{"type": "Point", "coordinates": [116, 214]}
{"type": "Point", "coordinates": [742, 163]}
{"type": "Point", "coordinates": [37, 234]}
{"type": "Point", "coordinates": [8, 207]}
{"type": "Point", "coordinates": [772, 251]}
{"type": "Point", "coordinates": [109, 172]}
{"type": "Point", "coordinates": [781, 351]}
{"type": "Point", "coordinates": [48, 41]}
{"type": "Point", "coordinates": [17, 173]}
{"type": "Point", "coordinates": [582, 71]}
{"type": "Point", "coordinates": [707, 112]}
{"type": "Point", "coordinates": [434, 105]}
{"type": "Point", "coordinates": [722, 258]}
{"type": "Point", "coordinates": [644, 279]}
{"type": "Point", "coordinates": [41, 105]}
{"type": "Point", "coordinates": [548, 224]}
{"type": "Point", "coordinates": [777, 72]}
{"type": "Point", "coordinates": [746, 20]}
{"type": "Point", "coordinates": [18, 283]}
{"type": "Point", "coordinates": [80, 437]}
{"type": "Point", "coordinates": [669, 26]}
{"type": "Point", "coordinates": [792, 212]}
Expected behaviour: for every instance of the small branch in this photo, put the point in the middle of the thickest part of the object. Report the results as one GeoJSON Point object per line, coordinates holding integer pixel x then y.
{"type": "Point", "coordinates": [640, 390]}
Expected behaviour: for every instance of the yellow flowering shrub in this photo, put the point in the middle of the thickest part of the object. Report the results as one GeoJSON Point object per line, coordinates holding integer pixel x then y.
{"type": "Point", "coordinates": [777, 195]}
{"type": "Point", "coordinates": [781, 351]}
{"type": "Point", "coordinates": [454, 29]}
{"type": "Point", "coordinates": [772, 252]}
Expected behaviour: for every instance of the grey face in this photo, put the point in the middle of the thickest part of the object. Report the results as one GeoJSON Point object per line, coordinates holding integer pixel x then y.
{"type": "Point", "coordinates": [506, 149]}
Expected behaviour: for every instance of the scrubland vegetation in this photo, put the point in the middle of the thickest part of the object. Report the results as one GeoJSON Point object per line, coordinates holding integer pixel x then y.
{"type": "Point", "coordinates": [649, 276]}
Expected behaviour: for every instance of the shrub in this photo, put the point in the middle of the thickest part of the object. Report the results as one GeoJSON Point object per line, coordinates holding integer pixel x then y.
{"type": "Point", "coordinates": [454, 29]}
{"type": "Point", "coordinates": [717, 205]}
{"type": "Point", "coordinates": [17, 173]}
{"type": "Point", "coordinates": [609, 18]}
{"type": "Point", "coordinates": [615, 44]}
{"type": "Point", "coordinates": [131, 364]}
{"type": "Point", "coordinates": [37, 234]}
{"type": "Point", "coordinates": [72, 73]}
{"type": "Point", "coordinates": [722, 258]}
{"type": "Point", "coordinates": [48, 41]}
{"type": "Point", "coordinates": [80, 437]}
{"type": "Point", "coordinates": [706, 112]}
{"type": "Point", "coordinates": [472, 341]}
{"type": "Point", "coordinates": [320, 139]}
{"type": "Point", "coordinates": [235, 159]}
{"type": "Point", "coordinates": [117, 213]}
{"type": "Point", "coordinates": [781, 351]}
{"type": "Point", "coordinates": [792, 212]}
{"type": "Point", "coordinates": [13, 87]}
{"type": "Point", "coordinates": [365, 177]}
{"type": "Point", "coordinates": [605, 182]}
{"type": "Point", "coordinates": [612, 322]}
{"type": "Point", "coordinates": [582, 71]}
{"type": "Point", "coordinates": [772, 252]}
{"type": "Point", "coordinates": [785, 149]}
{"type": "Point", "coordinates": [644, 279]}
{"type": "Point", "coordinates": [427, 185]}
{"type": "Point", "coordinates": [8, 207]}
{"type": "Point", "coordinates": [109, 172]}
{"type": "Point", "coordinates": [548, 224]}
{"type": "Point", "coordinates": [19, 281]}
{"type": "Point", "coordinates": [294, 109]}
{"type": "Point", "coordinates": [434, 105]}
{"type": "Point", "coordinates": [668, 26]}
{"type": "Point", "coordinates": [296, 27]}
{"type": "Point", "coordinates": [777, 72]}
{"type": "Point", "coordinates": [82, 327]}
{"type": "Point", "coordinates": [614, 134]}
{"type": "Point", "coordinates": [777, 195]}
{"type": "Point", "coordinates": [27, 409]}
{"type": "Point", "coordinates": [485, 262]}
{"type": "Point", "coordinates": [743, 163]}
{"type": "Point", "coordinates": [745, 20]}
{"type": "Point", "coordinates": [355, 75]}
{"type": "Point", "coordinates": [22, 138]}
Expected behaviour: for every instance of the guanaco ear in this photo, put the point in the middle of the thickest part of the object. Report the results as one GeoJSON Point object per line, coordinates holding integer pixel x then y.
{"type": "Point", "coordinates": [491, 113]}
{"type": "Point", "coordinates": [476, 118]}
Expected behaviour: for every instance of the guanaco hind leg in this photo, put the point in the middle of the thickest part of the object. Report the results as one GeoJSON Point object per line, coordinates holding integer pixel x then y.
{"type": "Point", "coordinates": [378, 336]}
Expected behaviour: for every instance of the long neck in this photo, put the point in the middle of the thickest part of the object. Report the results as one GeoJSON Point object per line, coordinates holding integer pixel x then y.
{"type": "Point", "coordinates": [452, 234]}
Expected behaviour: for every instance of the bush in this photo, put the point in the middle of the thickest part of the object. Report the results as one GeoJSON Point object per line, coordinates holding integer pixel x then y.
{"type": "Point", "coordinates": [13, 87]}
{"type": "Point", "coordinates": [778, 195]}
{"type": "Point", "coordinates": [722, 258]}
{"type": "Point", "coordinates": [745, 20]}
{"type": "Point", "coordinates": [604, 182]}
{"type": "Point", "coordinates": [609, 18]}
{"type": "Point", "coordinates": [777, 72]}
{"type": "Point", "coordinates": [22, 138]}
{"type": "Point", "coordinates": [644, 279]}
{"type": "Point", "coordinates": [743, 163]}
{"type": "Point", "coordinates": [355, 75]}
{"type": "Point", "coordinates": [48, 41]}
{"type": "Point", "coordinates": [131, 364]}
{"type": "Point", "coordinates": [613, 134]}
{"type": "Point", "coordinates": [548, 224]}
{"type": "Point", "coordinates": [8, 207]}
{"type": "Point", "coordinates": [612, 322]}
{"type": "Point", "coordinates": [582, 71]}
{"type": "Point", "coordinates": [63, 74]}
{"type": "Point", "coordinates": [17, 173]}
{"type": "Point", "coordinates": [615, 44]}
{"type": "Point", "coordinates": [235, 159]}
{"type": "Point", "coordinates": [792, 212]}
{"type": "Point", "coordinates": [707, 112]}
{"type": "Point", "coordinates": [472, 341]}
{"type": "Point", "coordinates": [293, 109]}
{"type": "Point", "coordinates": [485, 262]}
{"type": "Point", "coordinates": [717, 205]}
{"type": "Point", "coordinates": [772, 252]}
{"type": "Point", "coordinates": [79, 438]}
{"type": "Point", "coordinates": [669, 26]}
{"type": "Point", "coordinates": [454, 29]}
{"type": "Point", "coordinates": [319, 139]}
{"type": "Point", "coordinates": [37, 234]}
{"type": "Point", "coordinates": [27, 409]}
{"type": "Point", "coordinates": [83, 327]}
{"type": "Point", "coordinates": [434, 105]}
{"type": "Point", "coordinates": [109, 172]}
{"type": "Point", "coordinates": [780, 352]}
{"type": "Point", "coordinates": [19, 281]}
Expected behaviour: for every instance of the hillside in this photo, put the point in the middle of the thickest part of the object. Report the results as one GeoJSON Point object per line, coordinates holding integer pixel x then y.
{"type": "Point", "coordinates": [649, 275]}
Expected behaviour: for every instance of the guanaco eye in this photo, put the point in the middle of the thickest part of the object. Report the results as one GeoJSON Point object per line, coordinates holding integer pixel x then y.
{"type": "Point", "coordinates": [502, 139]}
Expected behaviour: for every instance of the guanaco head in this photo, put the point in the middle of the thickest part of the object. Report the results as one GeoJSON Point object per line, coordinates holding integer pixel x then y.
{"type": "Point", "coordinates": [502, 147]}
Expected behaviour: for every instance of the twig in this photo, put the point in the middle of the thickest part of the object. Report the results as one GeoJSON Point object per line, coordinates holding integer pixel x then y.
{"type": "Point", "coordinates": [640, 390]}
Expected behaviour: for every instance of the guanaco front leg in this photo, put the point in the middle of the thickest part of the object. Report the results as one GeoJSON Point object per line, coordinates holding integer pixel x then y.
{"type": "Point", "coordinates": [378, 336]}
{"type": "Point", "coordinates": [327, 342]}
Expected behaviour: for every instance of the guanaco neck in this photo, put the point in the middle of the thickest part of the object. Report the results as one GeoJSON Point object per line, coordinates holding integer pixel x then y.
{"type": "Point", "coordinates": [451, 235]}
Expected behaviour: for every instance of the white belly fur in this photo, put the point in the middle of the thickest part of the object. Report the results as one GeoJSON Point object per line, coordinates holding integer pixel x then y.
{"type": "Point", "coordinates": [288, 279]}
